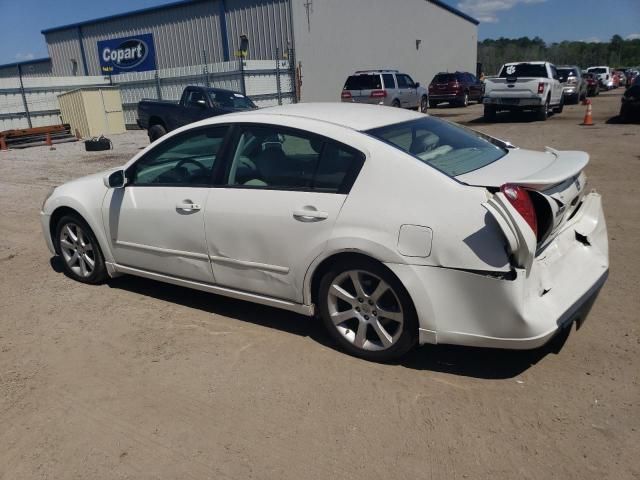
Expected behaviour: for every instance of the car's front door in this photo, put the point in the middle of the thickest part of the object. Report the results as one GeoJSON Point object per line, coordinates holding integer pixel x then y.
{"type": "Point", "coordinates": [409, 91]}
{"type": "Point", "coordinates": [281, 195]}
{"type": "Point", "coordinates": [156, 222]}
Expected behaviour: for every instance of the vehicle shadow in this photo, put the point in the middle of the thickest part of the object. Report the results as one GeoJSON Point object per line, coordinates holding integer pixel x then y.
{"type": "Point", "coordinates": [481, 363]}
{"type": "Point", "coordinates": [618, 120]}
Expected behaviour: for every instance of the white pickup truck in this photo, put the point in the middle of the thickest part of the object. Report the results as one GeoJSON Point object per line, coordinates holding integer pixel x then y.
{"type": "Point", "coordinates": [524, 86]}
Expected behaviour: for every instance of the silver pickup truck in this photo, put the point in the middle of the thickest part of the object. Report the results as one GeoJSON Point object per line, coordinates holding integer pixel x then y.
{"type": "Point", "coordinates": [524, 86]}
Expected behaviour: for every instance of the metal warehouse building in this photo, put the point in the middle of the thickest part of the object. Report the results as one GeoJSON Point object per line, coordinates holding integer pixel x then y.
{"type": "Point", "coordinates": [327, 39]}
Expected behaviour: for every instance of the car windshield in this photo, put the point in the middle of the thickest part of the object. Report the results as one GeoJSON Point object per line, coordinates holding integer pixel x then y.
{"type": "Point", "coordinates": [524, 70]}
{"type": "Point", "coordinates": [598, 70]}
{"type": "Point", "coordinates": [363, 82]}
{"type": "Point", "coordinates": [564, 73]}
{"type": "Point", "coordinates": [443, 145]}
{"type": "Point", "coordinates": [232, 100]}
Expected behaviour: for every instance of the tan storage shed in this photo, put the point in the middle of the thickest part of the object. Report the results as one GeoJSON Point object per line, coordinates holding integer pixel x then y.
{"type": "Point", "coordinates": [94, 111]}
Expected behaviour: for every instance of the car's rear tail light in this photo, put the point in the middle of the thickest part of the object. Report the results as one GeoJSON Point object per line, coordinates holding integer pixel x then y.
{"type": "Point", "coordinates": [345, 94]}
{"type": "Point", "coordinates": [541, 87]}
{"type": "Point", "coordinates": [378, 93]}
{"type": "Point", "coordinates": [521, 201]}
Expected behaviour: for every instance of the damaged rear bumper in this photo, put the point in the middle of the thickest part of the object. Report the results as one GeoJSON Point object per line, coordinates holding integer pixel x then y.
{"type": "Point", "coordinates": [465, 308]}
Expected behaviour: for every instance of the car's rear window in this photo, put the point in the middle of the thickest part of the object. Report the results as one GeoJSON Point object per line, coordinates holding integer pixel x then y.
{"type": "Point", "coordinates": [444, 78]}
{"type": "Point", "coordinates": [564, 73]}
{"type": "Point", "coordinates": [523, 70]}
{"type": "Point", "coordinates": [443, 145]}
{"type": "Point", "coordinates": [598, 70]}
{"type": "Point", "coordinates": [363, 82]}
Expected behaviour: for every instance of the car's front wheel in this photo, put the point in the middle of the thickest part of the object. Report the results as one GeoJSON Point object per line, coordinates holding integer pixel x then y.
{"type": "Point", "coordinates": [424, 104]}
{"type": "Point", "coordinates": [81, 255]}
{"type": "Point", "coordinates": [367, 311]}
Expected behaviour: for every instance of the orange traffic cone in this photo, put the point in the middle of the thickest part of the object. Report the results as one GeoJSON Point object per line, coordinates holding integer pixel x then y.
{"type": "Point", "coordinates": [3, 144]}
{"type": "Point", "coordinates": [588, 116]}
{"type": "Point", "coordinates": [49, 142]}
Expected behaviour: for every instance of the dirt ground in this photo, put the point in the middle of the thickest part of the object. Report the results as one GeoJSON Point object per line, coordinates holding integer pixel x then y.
{"type": "Point", "coordinates": [136, 379]}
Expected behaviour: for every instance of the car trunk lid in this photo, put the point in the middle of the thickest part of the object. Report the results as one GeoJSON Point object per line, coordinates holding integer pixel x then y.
{"type": "Point", "coordinates": [556, 183]}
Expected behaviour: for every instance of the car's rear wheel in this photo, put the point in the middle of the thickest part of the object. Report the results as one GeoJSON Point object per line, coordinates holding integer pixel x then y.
{"type": "Point", "coordinates": [367, 311]}
{"type": "Point", "coordinates": [82, 258]}
{"type": "Point", "coordinates": [424, 104]}
{"type": "Point", "coordinates": [543, 111]}
{"type": "Point", "coordinates": [155, 132]}
{"type": "Point", "coordinates": [395, 103]}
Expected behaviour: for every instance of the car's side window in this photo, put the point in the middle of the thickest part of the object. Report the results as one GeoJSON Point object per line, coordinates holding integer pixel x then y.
{"type": "Point", "coordinates": [338, 168]}
{"type": "Point", "coordinates": [268, 156]}
{"type": "Point", "coordinates": [276, 158]}
{"type": "Point", "coordinates": [186, 159]}
{"type": "Point", "coordinates": [402, 81]}
{"type": "Point", "coordinates": [389, 82]}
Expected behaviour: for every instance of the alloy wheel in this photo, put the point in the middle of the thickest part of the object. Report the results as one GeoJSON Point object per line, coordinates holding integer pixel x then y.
{"type": "Point", "coordinates": [77, 250]}
{"type": "Point", "coordinates": [365, 310]}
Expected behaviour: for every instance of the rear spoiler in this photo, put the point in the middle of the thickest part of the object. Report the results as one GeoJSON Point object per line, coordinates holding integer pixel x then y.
{"type": "Point", "coordinates": [568, 164]}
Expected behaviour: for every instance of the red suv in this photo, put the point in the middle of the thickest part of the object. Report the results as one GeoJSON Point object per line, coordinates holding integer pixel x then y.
{"type": "Point", "coordinates": [456, 88]}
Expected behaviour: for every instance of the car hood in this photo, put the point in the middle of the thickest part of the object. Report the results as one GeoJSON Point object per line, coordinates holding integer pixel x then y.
{"type": "Point", "coordinates": [531, 169]}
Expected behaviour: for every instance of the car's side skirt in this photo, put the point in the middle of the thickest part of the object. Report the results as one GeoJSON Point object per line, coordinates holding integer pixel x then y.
{"type": "Point", "coordinates": [218, 290]}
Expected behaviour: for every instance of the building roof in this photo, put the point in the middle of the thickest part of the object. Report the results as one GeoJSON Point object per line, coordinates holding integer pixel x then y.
{"type": "Point", "coordinates": [26, 62]}
{"type": "Point", "coordinates": [181, 3]}
{"type": "Point", "coordinates": [455, 11]}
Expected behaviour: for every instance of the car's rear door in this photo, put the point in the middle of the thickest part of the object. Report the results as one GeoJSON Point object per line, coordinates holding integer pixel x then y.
{"type": "Point", "coordinates": [156, 222]}
{"type": "Point", "coordinates": [275, 210]}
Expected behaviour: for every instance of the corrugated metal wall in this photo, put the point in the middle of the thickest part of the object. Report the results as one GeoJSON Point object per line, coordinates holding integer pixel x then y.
{"type": "Point", "coordinates": [182, 36]}
{"type": "Point", "coordinates": [189, 34]}
{"type": "Point", "coordinates": [64, 47]}
{"type": "Point", "coordinates": [39, 69]}
{"type": "Point", "coordinates": [266, 24]}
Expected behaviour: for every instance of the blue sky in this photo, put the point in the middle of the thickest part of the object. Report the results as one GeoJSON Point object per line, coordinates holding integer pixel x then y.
{"type": "Point", "coordinates": [552, 20]}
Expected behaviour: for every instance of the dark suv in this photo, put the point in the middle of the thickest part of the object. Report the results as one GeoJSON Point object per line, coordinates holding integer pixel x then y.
{"type": "Point", "coordinates": [456, 88]}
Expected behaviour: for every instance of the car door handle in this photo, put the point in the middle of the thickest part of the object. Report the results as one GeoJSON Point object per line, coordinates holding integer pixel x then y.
{"type": "Point", "coordinates": [188, 206]}
{"type": "Point", "coordinates": [305, 215]}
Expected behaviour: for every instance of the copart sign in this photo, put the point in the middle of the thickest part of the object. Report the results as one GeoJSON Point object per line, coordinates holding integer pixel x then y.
{"type": "Point", "coordinates": [129, 54]}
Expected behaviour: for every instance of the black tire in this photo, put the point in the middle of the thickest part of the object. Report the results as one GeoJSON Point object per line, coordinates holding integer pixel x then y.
{"type": "Point", "coordinates": [405, 334]}
{"type": "Point", "coordinates": [155, 132]}
{"type": "Point", "coordinates": [543, 112]}
{"type": "Point", "coordinates": [424, 104]}
{"type": "Point", "coordinates": [465, 100]}
{"type": "Point", "coordinates": [489, 113]}
{"type": "Point", "coordinates": [433, 104]}
{"type": "Point", "coordinates": [99, 271]}
{"type": "Point", "coordinates": [395, 103]}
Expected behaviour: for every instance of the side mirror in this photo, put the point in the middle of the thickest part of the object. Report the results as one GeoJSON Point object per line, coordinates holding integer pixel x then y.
{"type": "Point", "coordinates": [116, 179]}
{"type": "Point", "coordinates": [416, 85]}
{"type": "Point", "coordinates": [201, 103]}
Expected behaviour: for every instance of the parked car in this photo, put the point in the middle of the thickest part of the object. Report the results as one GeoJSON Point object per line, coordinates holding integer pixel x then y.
{"type": "Point", "coordinates": [395, 227]}
{"type": "Point", "coordinates": [604, 76]}
{"type": "Point", "coordinates": [574, 87]}
{"type": "Point", "coordinates": [455, 88]}
{"type": "Point", "coordinates": [630, 108]}
{"type": "Point", "coordinates": [593, 85]}
{"type": "Point", "coordinates": [524, 86]}
{"type": "Point", "coordinates": [159, 117]}
{"type": "Point", "coordinates": [385, 87]}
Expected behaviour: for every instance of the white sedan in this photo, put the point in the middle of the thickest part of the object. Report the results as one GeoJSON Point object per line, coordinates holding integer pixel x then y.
{"type": "Point", "coordinates": [394, 227]}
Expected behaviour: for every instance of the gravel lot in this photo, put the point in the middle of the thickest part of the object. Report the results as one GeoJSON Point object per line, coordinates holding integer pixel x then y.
{"type": "Point", "coordinates": [136, 379]}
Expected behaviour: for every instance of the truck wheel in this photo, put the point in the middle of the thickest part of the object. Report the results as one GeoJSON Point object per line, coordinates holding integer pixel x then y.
{"type": "Point", "coordinates": [543, 111]}
{"type": "Point", "coordinates": [489, 113]}
{"type": "Point", "coordinates": [155, 132]}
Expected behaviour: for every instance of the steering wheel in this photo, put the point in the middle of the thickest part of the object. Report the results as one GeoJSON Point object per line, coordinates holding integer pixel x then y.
{"type": "Point", "coordinates": [203, 169]}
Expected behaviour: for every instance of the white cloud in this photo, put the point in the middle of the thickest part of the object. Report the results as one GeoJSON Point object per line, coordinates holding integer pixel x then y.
{"type": "Point", "coordinates": [24, 56]}
{"type": "Point", "coordinates": [633, 36]}
{"type": "Point", "coordinates": [487, 10]}
{"type": "Point", "coordinates": [592, 40]}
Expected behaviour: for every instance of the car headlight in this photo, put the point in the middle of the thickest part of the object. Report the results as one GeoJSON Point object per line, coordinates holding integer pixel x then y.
{"type": "Point", "coordinates": [49, 193]}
